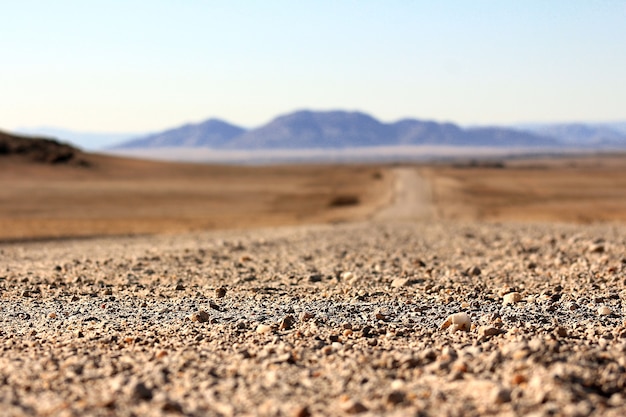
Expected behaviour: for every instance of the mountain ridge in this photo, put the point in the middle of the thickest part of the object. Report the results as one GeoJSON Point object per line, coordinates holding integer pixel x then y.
{"type": "Point", "coordinates": [334, 129]}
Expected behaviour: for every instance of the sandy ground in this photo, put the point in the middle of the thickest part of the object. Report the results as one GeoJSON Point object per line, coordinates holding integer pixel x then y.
{"type": "Point", "coordinates": [341, 319]}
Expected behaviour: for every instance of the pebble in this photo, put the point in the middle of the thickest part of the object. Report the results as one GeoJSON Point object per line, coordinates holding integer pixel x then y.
{"type": "Point", "coordinates": [349, 277]}
{"type": "Point", "coordinates": [457, 321]}
{"type": "Point", "coordinates": [488, 331]}
{"type": "Point", "coordinates": [353, 407]}
{"type": "Point", "coordinates": [511, 298]}
{"type": "Point", "coordinates": [379, 345]}
{"type": "Point", "coordinates": [287, 322]}
{"type": "Point", "coordinates": [604, 311]}
{"type": "Point", "coordinates": [142, 392]}
{"type": "Point", "coordinates": [220, 292]}
{"type": "Point", "coordinates": [263, 328]}
{"type": "Point", "coordinates": [200, 316]}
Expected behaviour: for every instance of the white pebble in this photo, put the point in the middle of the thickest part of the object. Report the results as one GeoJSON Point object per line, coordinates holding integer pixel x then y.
{"type": "Point", "coordinates": [458, 321]}
{"type": "Point", "coordinates": [604, 311]}
{"type": "Point", "coordinates": [263, 328]}
{"type": "Point", "coordinates": [348, 276]}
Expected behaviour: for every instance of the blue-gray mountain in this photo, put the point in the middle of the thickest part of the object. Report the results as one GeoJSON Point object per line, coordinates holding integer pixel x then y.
{"type": "Point", "coordinates": [582, 134]}
{"type": "Point", "coordinates": [341, 129]}
{"type": "Point", "coordinates": [212, 133]}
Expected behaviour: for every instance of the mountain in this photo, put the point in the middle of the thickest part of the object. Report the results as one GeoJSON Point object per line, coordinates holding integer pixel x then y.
{"type": "Point", "coordinates": [308, 129]}
{"type": "Point", "coordinates": [212, 133]}
{"type": "Point", "coordinates": [334, 130]}
{"type": "Point", "coordinates": [582, 134]}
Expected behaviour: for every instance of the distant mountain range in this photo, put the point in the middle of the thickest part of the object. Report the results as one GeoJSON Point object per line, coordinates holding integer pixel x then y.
{"type": "Point", "coordinates": [343, 130]}
{"type": "Point", "coordinates": [335, 130]}
{"type": "Point", "coordinates": [580, 134]}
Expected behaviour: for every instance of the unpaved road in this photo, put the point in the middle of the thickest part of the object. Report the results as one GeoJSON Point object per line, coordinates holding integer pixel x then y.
{"type": "Point", "coordinates": [412, 199]}
{"type": "Point", "coordinates": [319, 320]}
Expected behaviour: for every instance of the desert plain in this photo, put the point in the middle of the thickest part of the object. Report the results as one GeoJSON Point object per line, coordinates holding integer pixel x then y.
{"type": "Point", "coordinates": [132, 287]}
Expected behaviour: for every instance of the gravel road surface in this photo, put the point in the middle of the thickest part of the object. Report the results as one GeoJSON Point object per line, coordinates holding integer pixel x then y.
{"type": "Point", "coordinates": [319, 320]}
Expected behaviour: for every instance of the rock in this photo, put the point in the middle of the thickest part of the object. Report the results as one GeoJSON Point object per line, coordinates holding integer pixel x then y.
{"type": "Point", "coordinates": [141, 392]}
{"type": "Point", "coordinates": [596, 248]}
{"type": "Point", "coordinates": [306, 316]}
{"type": "Point", "coordinates": [458, 321]}
{"type": "Point", "coordinates": [353, 407]}
{"type": "Point", "coordinates": [180, 287]}
{"type": "Point", "coordinates": [263, 328]}
{"type": "Point", "coordinates": [287, 322]}
{"type": "Point", "coordinates": [604, 311]}
{"type": "Point", "coordinates": [316, 278]}
{"type": "Point", "coordinates": [301, 411]}
{"type": "Point", "coordinates": [511, 298]}
{"type": "Point", "coordinates": [349, 277]}
{"type": "Point", "coordinates": [474, 271]}
{"type": "Point", "coordinates": [220, 292]}
{"type": "Point", "coordinates": [395, 397]}
{"type": "Point", "coordinates": [399, 282]}
{"type": "Point", "coordinates": [200, 316]}
{"type": "Point", "coordinates": [500, 395]}
{"type": "Point", "coordinates": [488, 331]}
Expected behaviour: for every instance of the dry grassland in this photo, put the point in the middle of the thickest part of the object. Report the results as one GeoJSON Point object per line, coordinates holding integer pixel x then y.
{"type": "Point", "coordinates": [117, 196]}
{"type": "Point", "coordinates": [578, 190]}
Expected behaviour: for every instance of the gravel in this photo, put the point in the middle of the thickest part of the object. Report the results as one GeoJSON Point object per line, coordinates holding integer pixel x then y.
{"type": "Point", "coordinates": [320, 320]}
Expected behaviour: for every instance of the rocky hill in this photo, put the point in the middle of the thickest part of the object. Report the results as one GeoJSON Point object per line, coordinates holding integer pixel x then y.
{"type": "Point", "coordinates": [40, 150]}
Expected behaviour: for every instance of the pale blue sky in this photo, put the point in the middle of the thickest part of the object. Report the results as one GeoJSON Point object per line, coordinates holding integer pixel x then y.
{"type": "Point", "coordinates": [146, 65]}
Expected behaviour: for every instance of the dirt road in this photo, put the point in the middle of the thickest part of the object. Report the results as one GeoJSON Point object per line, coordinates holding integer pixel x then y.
{"type": "Point", "coordinates": [341, 319]}
{"type": "Point", "coordinates": [412, 198]}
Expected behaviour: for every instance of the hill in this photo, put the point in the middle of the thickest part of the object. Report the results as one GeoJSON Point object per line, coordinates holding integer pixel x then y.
{"type": "Point", "coordinates": [39, 150]}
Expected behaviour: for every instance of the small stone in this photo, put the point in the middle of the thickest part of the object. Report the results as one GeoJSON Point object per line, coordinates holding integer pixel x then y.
{"type": "Point", "coordinates": [474, 271]}
{"type": "Point", "coordinates": [108, 291]}
{"type": "Point", "coordinates": [353, 407]}
{"type": "Point", "coordinates": [596, 248]}
{"type": "Point", "coordinates": [488, 331]}
{"type": "Point", "coordinates": [287, 322]}
{"type": "Point", "coordinates": [200, 316]}
{"type": "Point", "coordinates": [180, 287]}
{"type": "Point", "coordinates": [263, 328]}
{"type": "Point", "coordinates": [349, 276]}
{"type": "Point", "coordinates": [220, 292]}
{"type": "Point", "coordinates": [172, 407]}
{"type": "Point", "coordinates": [518, 379]}
{"type": "Point", "coordinates": [395, 397]}
{"type": "Point", "coordinates": [604, 311]}
{"type": "Point", "coordinates": [501, 395]}
{"type": "Point", "coordinates": [399, 282]}
{"type": "Point", "coordinates": [301, 411]}
{"type": "Point", "coordinates": [316, 278]}
{"type": "Point", "coordinates": [511, 298]}
{"type": "Point", "coordinates": [306, 316]}
{"type": "Point", "coordinates": [561, 331]}
{"type": "Point", "coordinates": [457, 321]}
{"type": "Point", "coordinates": [52, 315]}
{"type": "Point", "coordinates": [142, 392]}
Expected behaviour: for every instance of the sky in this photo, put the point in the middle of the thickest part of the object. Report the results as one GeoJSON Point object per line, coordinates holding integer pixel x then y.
{"type": "Point", "coordinates": [143, 66]}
